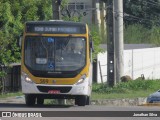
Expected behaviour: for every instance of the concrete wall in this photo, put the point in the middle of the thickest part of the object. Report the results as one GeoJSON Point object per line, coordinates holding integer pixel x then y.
{"type": "Point", "coordinates": [137, 62]}
{"type": "Point", "coordinates": [88, 4]}
{"type": "Point", "coordinates": [94, 14]}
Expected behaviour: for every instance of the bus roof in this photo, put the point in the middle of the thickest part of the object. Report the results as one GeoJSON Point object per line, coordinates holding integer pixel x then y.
{"type": "Point", "coordinates": [56, 22]}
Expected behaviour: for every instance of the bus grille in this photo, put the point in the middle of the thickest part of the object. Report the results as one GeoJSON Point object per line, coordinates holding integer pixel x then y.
{"type": "Point", "coordinates": [47, 88]}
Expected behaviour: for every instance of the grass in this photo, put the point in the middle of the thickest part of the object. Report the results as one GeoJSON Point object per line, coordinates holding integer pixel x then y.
{"type": "Point", "coordinates": [131, 89]}
{"type": "Point", "coordinates": [133, 94]}
{"type": "Point", "coordinates": [11, 94]}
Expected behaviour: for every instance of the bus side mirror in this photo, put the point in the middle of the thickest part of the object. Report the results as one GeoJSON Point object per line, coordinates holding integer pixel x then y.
{"type": "Point", "coordinates": [92, 46]}
{"type": "Point", "coordinates": [20, 40]}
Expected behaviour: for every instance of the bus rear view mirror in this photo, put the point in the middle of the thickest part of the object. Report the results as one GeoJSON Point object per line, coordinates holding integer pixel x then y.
{"type": "Point", "coordinates": [20, 41]}
{"type": "Point", "coordinates": [92, 46]}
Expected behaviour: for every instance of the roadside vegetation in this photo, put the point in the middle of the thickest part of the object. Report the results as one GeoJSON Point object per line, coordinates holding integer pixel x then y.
{"type": "Point", "coordinates": [130, 89]}
{"type": "Point", "coordinates": [10, 94]}
{"type": "Point", "coordinates": [138, 34]}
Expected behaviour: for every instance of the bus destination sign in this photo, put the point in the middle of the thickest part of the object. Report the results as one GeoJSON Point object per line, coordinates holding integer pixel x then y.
{"type": "Point", "coordinates": [55, 29]}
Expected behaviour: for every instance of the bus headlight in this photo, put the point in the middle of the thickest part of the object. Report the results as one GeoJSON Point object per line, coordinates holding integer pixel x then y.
{"type": "Point", "coordinates": [81, 80]}
{"type": "Point", "coordinates": [26, 78]}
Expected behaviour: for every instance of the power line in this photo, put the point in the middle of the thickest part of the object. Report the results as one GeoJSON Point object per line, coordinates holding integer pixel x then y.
{"type": "Point", "coordinates": [154, 2]}
{"type": "Point", "coordinates": [146, 3]}
{"type": "Point", "coordinates": [142, 19]}
{"type": "Point", "coordinates": [151, 3]}
{"type": "Point", "coordinates": [125, 15]}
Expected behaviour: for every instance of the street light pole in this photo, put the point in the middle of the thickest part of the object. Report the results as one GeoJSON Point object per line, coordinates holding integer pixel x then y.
{"type": "Point", "coordinates": [118, 36]}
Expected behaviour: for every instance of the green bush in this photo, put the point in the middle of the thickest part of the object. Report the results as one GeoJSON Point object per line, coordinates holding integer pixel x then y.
{"type": "Point", "coordinates": [137, 34]}
{"type": "Point", "coordinates": [125, 87]}
{"type": "Point", "coordinates": [103, 88]}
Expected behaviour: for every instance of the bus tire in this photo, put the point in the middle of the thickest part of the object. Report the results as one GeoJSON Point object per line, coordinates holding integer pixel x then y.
{"type": "Point", "coordinates": [81, 100]}
{"type": "Point", "coordinates": [88, 101]}
{"type": "Point", "coordinates": [30, 100]}
{"type": "Point", "coordinates": [40, 101]}
{"type": "Point", "coordinates": [76, 101]}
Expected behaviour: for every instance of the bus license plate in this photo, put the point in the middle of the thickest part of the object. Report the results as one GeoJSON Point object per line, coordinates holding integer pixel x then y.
{"type": "Point", "coordinates": [53, 91]}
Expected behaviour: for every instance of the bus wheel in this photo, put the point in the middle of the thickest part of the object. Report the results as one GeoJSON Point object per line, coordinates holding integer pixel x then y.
{"type": "Point", "coordinates": [81, 100]}
{"type": "Point", "coordinates": [88, 102]}
{"type": "Point", "coordinates": [30, 100]}
{"type": "Point", "coordinates": [40, 101]}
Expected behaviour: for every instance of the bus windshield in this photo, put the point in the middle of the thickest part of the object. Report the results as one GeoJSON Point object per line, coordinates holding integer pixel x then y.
{"type": "Point", "coordinates": [55, 54]}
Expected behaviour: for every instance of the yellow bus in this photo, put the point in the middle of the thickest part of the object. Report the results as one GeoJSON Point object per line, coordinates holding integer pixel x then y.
{"type": "Point", "coordinates": [56, 62]}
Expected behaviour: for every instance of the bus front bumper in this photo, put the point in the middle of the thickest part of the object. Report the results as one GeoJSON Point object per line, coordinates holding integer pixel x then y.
{"type": "Point", "coordinates": [83, 88]}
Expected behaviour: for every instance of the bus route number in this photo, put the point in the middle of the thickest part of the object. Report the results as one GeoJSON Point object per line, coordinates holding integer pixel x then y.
{"type": "Point", "coordinates": [43, 81]}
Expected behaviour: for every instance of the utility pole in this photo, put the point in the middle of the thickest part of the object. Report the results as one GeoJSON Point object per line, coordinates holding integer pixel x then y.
{"type": "Point", "coordinates": [110, 45]}
{"type": "Point", "coordinates": [56, 9]}
{"type": "Point", "coordinates": [118, 36]}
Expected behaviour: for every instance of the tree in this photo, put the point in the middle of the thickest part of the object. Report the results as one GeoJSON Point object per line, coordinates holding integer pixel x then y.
{"type": "Point", "coordinates": [144, 12]}
{"type": "Point", "coordinates": [14, 13]}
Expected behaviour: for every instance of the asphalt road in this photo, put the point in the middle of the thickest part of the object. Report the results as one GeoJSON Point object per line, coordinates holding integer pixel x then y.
{"type": "Point", "coordinates": [71, 112]}
{"type": "Point", "coordinates": [20, 107]}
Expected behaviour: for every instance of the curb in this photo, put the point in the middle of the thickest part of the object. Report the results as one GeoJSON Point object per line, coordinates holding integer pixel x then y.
{"type": "Point", "coordinates": [150, 104]}
{"type": "Point", "coordinates": [119, 102]}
